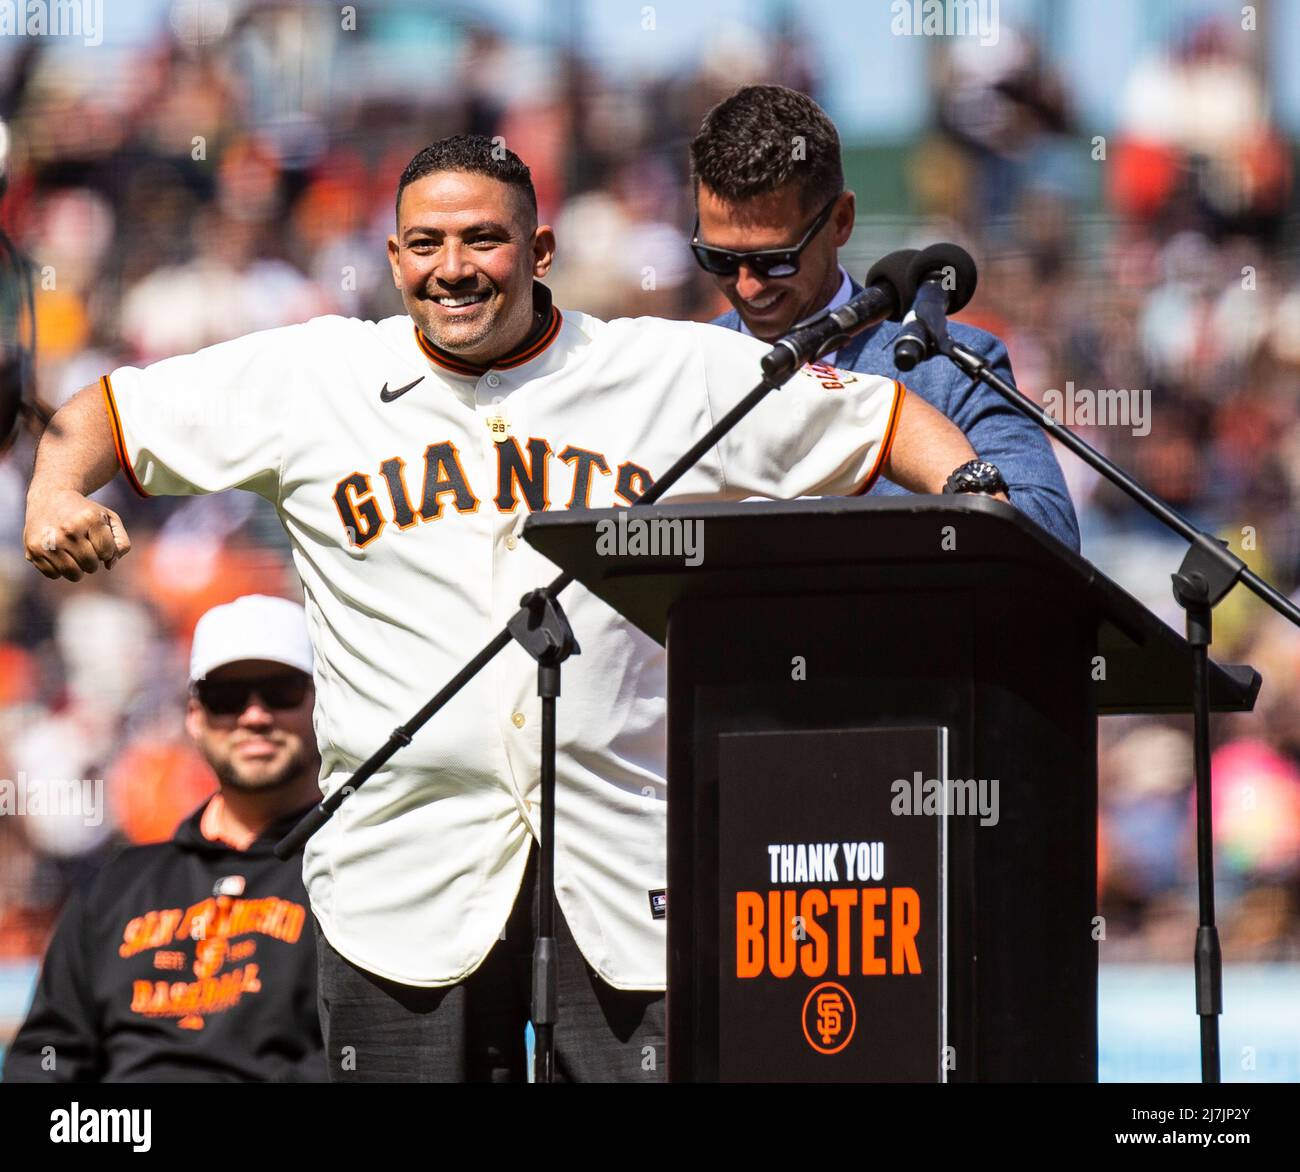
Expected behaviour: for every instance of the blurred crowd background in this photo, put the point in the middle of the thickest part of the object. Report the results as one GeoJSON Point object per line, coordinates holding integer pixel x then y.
{"type": "Point", "coordinates": [221, 166]}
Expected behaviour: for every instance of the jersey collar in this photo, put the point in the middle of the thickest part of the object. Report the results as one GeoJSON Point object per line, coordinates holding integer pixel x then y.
{"type": "Point", "coordinates": [541, 336]}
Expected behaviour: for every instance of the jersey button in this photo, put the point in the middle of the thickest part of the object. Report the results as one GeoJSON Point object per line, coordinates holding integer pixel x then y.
{"type": "Point", "coordinates": [512, 542]}
{"type": "Point", "coordinates": [493, 380]}
{"type": "Point", "coordinates": [517, 719]}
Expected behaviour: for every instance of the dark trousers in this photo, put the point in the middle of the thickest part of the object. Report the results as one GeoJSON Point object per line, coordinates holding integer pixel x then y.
{"type": "Point", "coordinates": [382, 1031]}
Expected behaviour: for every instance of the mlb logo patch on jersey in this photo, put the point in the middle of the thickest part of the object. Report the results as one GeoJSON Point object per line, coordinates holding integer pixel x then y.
{"type": "Point", "coordinates": [659, 904]}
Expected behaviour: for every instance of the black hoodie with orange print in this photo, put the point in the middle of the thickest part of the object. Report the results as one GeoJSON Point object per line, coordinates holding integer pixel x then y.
{"type": "Point", "coordinates": [183, 961]}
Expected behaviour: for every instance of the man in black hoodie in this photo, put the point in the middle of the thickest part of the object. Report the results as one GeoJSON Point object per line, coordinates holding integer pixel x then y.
{"type": "Point", "coordinates": [194, 960]}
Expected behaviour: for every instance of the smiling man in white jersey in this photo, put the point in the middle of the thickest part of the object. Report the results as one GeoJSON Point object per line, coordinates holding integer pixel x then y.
{"type": "Point", "coordinates": [402, 457]}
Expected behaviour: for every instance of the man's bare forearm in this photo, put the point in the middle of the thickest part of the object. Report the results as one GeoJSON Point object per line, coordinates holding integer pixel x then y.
{"type": "Point", "coordinates": [76, 450]}
{"type": "Point", "coordinates": [927, 447]}
{"type": "Point", "coordinates": [65, 534]}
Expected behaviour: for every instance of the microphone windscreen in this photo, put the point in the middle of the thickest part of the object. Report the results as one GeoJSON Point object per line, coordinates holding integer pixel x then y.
{"type": "Point", "coordinates": [958, 270]}
{"type": "Point", "coordinates": [896, 270]}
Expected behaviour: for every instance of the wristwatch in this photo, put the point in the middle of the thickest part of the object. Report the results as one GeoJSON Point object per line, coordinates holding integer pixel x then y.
{"type": "Point", "coordinates": [976, 476]}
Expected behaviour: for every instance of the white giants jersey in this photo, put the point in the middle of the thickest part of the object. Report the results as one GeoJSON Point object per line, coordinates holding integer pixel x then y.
{"type": "Point", "coordinates": [402, 478]}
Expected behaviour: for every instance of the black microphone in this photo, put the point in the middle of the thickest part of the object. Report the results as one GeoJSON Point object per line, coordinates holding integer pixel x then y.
{"type": "Point", "coordinates": [887, 295]}
{"type": "Point", "coordinates": [944, 277]}
{"type": "Point", "coordinates": [912, 345]}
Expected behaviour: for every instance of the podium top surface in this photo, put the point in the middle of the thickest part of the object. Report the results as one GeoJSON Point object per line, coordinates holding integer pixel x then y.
{"type": "Point", "coordinates": [636, 560]}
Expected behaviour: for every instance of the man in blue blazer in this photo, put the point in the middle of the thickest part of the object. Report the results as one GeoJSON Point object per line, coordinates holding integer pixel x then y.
{"type": "Point", "coordinates": [769, 184]}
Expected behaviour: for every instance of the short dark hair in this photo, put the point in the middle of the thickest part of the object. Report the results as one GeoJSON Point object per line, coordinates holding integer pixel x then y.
{"type": "Point", "coordinates": [762, 138]}
{"type": "Point", "coordinates": [473, 153]}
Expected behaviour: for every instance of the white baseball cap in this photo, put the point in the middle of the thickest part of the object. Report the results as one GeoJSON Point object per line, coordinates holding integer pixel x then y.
{"type": "Point", "coordinates": [256, 626]}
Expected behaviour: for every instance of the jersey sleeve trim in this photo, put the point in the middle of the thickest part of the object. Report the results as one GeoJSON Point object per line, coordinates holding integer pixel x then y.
{"type": "Point", "coordinates": [891, 429]}
{"type": "Point", "coordinates": [119, 437]}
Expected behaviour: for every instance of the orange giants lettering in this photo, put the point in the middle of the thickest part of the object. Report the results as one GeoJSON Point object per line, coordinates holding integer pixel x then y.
{"type": "Point", "coordinates": [366, 503]}
{"type": "Point", "coordinates": [867, 931]}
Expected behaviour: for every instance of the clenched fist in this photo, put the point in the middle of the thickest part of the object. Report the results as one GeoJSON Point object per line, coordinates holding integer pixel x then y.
{"type": "Point", "coordinates": [68, 534]}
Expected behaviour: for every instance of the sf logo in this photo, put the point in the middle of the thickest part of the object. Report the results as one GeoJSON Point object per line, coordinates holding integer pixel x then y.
{"type": "Point", "coordinates": [829, 1018]}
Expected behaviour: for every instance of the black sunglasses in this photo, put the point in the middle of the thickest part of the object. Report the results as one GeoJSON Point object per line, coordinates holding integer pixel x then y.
{"type": "Point", "coordinates": [230, 697]}
{"type": "Point", "coordinates": [767, 262]}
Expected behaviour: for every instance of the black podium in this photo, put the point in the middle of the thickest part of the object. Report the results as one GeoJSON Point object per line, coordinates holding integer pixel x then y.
{"type": "Point", "coordinates": [882, 780]}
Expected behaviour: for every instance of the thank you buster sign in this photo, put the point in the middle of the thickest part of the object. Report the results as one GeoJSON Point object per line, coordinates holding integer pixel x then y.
{"type": "Point", "coordinates": [831, 908]}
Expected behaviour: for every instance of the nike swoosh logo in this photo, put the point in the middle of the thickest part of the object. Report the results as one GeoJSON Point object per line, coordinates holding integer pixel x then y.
{"type": "Point", "coordinates": [387, 396]}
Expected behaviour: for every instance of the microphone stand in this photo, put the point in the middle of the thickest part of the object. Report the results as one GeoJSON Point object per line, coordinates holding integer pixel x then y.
{"type": "Point", "coordinates": [542, 629]}
{"type": "Point", "coordinates": [1208, 571]}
